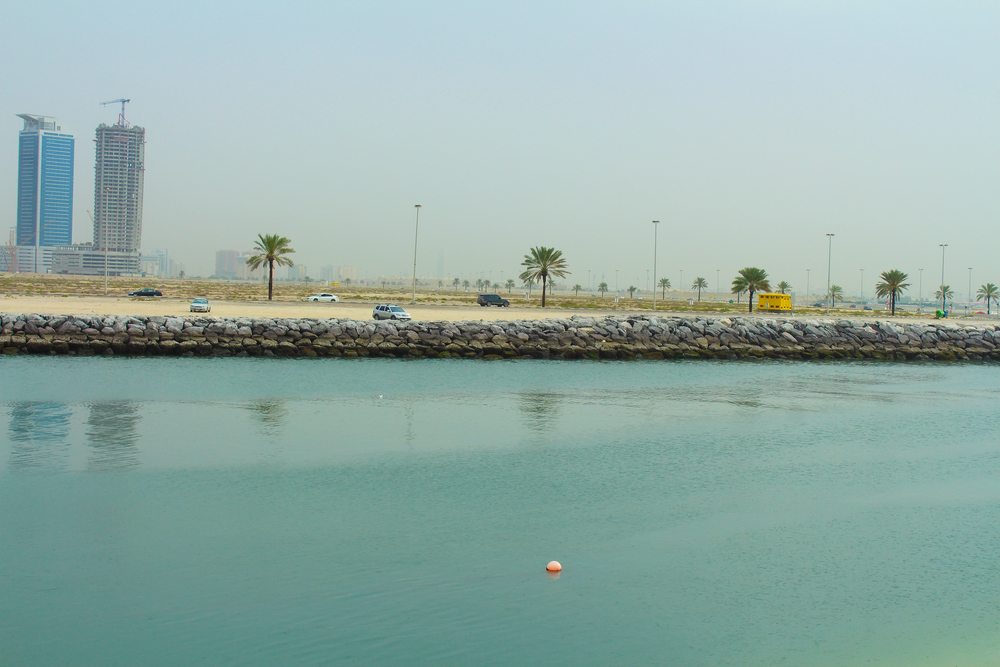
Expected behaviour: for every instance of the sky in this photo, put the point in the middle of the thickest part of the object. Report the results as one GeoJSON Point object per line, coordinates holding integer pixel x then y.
{"type": "Point", "coordinates": [749, 130]}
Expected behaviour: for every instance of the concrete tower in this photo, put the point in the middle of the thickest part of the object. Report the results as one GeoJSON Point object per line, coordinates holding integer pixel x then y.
{"type": "Point", "coordinates": [118, 180]}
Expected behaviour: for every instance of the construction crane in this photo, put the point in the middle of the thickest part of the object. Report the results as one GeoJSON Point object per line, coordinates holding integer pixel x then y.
{"type": "Point", "coordinates": [121, 116]}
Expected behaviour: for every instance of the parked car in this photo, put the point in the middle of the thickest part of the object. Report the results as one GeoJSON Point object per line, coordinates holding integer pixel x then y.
{"type": "Point", "coordinates": [492, 300]}
{"type": "Point", "coordinates": [388, 311]}
{"type": "Point", "coordinates": [201, 306]}
{"type": "Point", "coordinates": [323, 297]}
{"type": "Point", "coordinates": [146, 291]}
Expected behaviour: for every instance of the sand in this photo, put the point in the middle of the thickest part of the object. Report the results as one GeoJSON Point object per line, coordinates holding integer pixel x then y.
{"type": "Point", "coordinates": [113, 305]}
{"type": "Point", "coordinates": [118, 305]}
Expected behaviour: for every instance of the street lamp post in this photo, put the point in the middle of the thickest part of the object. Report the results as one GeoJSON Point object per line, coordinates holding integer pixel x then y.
{"type": "Point", "coordinates": [616, 281]}
{"type": "Point", "coordinates": [104, 221]}
{"type": "Point", "coordinates": [829, 259]}
{"type": "Point", "coordinates": [944, 305]}
{"type": "Point", "coordinates": [970, 288]}
{"type": "Point", "coordinates": [656, 223]}
{"type": "Point", "coordinates": [920, 294]}
{"type": "Point", "coordinates": [416, 230]}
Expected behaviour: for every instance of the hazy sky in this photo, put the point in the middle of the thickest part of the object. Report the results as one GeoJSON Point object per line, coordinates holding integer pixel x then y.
{"type": "Point", "coordinates": [750, 130]}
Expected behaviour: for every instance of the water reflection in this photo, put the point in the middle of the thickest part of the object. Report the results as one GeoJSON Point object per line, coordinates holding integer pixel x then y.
{"type": "Point", "coordinates": [38, 434]}
{"type": "Point", "coordinates": [540, 409]}
{"type": "Point", "coordinates": [112, 435]}
{"type": "Point", "coordinates": [270, 414]}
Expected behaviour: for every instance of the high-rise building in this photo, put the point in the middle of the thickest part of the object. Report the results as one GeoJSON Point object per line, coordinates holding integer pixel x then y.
{"type": "Point", "coordinates": [226, 263]}
{"type": "Point", "coordinates": [44, 188]}
{"type": "Point", "coordinates": [119, 171]}
{"type": "Point", "coordinates": [118, 180]}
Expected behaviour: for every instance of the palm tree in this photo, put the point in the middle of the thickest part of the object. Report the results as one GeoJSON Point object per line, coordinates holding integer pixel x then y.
{"type": "Point", "coordinates": [496, 287]}
{"type": "Point", "coordinates": [631, 290]}
{"type": "Point", "coordinates": [510, 285]}
{"type": "Point", "coordinates": [347, 282]}
{"type": "Point", "coordinates": [836, 292]}
{"type": "Point", "coordinates": [456, 282]}
{"type": "Point", "coordinates": [754, 280]}
{"type": "Point", "coordinates": [699, 284]}
{"type": "Point", "coordinates": [541, 263]}
{"type": "Point", "coordinates": [272, 250]}
{"type": "Point", "coordinates": [892, 286]}
{"type": "Point", "coordinates": [465, 284]}
{"type": "Point", "coordinates": [987, 293]}
{"type": "Point", "coordinates": [602, 288]}
{"type": "Point", "coordinates": [783, 287]}
{"type": "Point", "coordinates": [664, 284]}
{"type": "Point", "coordinates": [479, 284]}
{"type": "Point", "coordinates": [944, 293]}
{"type": "Point", "coordinates": [576, 288]}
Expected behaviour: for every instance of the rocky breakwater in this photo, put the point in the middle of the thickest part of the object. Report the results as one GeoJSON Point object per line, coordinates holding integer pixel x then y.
{"type": "Point", "coordinates": [619, 337]}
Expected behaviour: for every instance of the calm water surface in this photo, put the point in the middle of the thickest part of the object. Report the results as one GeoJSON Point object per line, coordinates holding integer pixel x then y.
{"type": "Point", "coordinates": [381, 512]}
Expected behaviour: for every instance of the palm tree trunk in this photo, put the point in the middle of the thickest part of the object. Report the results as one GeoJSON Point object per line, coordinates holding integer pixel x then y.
{"type": "Point", "coordinates": [750, 301]}
{"type": "Point", "coordinates": [543, 290]}
{"type": "Point", "coordinates": [270, 278]}
{"type": "Point", "coordinates": [699, 293]}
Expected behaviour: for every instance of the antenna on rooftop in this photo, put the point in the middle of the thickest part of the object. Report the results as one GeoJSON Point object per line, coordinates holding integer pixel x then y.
{"type": "Point", "coordinates": [121, 116]}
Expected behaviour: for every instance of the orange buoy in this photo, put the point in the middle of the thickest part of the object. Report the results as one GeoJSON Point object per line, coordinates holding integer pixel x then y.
{"type": "Point", "coordinates": [554, 566]}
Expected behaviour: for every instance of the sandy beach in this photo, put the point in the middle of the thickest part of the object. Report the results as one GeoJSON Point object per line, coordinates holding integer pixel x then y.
{"type": "Point", "coordinates": [359, 310]}
{"type": "Point", "coordinates": [362, 310]}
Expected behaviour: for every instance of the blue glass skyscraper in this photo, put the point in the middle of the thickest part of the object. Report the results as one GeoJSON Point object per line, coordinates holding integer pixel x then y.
{"type": "Point", "coordinates": [44, 184]}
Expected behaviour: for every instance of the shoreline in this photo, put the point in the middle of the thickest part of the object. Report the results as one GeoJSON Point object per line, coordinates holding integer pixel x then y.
{"type": "Point", "coordinates": [608, 337]}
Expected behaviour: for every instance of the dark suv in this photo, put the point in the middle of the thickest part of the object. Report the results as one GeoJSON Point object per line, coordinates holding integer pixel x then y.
{"type": "Point", "coordinates": [146, 291]}
{"type": "Point", "coordinates": [492, 300]}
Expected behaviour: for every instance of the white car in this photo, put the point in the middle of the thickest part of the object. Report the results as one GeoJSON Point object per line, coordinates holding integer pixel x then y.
{"type": "Point", "coordinates": [388, 311]}
{"type": "Point", "coordinates": [201, 306]}
{"type": "Point", "coordinates": [323, 297]}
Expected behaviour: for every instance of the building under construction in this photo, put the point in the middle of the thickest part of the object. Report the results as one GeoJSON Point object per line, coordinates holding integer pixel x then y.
{"type": "Point", "coordinates": [118, 180]}
{"type": "Point", "coordinates": [119, 169]}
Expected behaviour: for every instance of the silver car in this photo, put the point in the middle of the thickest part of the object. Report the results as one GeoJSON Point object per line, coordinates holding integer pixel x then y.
{"type": "Point", "coordinates": [388, 311]}
{"type": "Point", "coordinates": [201, 306]}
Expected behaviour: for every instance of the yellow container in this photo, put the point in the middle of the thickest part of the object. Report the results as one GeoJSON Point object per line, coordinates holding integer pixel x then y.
{"type": "Point", "coordinates": [774, 301]}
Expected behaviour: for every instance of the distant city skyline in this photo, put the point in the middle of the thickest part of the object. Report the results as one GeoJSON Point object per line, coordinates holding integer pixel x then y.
{"type": "Point", "coordinates": [749, 131]}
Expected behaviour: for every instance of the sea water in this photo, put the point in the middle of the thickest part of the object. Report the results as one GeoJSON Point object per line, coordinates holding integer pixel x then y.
{"type": "Point", "coordinates": [384, 512]}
